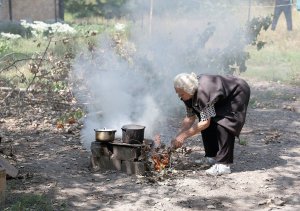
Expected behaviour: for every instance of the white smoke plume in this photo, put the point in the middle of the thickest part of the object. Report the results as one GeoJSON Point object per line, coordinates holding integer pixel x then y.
{"type": "Point", "coordinates": [168, 38]}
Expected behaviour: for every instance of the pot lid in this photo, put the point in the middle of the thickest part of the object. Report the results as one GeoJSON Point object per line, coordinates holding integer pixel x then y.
{"type": "Point", "coordinates": [133, 126]}
{"type": "Point", "coordinates": [105, 130]}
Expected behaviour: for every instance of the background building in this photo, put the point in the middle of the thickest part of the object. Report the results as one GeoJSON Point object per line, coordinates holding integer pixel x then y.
{"type": "Point", "coordinates": [31, 10]}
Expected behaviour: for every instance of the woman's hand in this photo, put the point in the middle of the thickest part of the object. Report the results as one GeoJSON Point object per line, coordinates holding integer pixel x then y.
{"type": "Point", "coordinates": [177, 142]}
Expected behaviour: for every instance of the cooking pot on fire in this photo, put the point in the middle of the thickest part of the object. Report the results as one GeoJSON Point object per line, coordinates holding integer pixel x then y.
{"type": "Point", "coordinates": [133, 134]}
{"type": "Point", "coordinates": [104, 134]}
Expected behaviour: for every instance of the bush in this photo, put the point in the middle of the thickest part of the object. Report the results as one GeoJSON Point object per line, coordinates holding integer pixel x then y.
{"type": "Point", "coordinates": [14, 28]}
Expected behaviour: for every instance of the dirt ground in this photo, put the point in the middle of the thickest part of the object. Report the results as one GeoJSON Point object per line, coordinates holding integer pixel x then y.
{"type": "Point", "coordinates": [53, 163]}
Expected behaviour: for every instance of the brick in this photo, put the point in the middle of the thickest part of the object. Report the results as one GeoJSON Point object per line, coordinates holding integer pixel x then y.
{"type": "Point", "coordinates": [117, 164]}
{"type": "Point", "coordinates": [42, 10]}
{"type": "Point", "coordinates": [99, 149]}
{"type": "Point", "coordinates": [126, 153]}
{"type": "Point", "coordinates": [134, 167]}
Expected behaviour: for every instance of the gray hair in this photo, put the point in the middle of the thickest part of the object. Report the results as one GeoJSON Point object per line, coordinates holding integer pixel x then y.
{"type": "Point", "coordinates": [186, 81]}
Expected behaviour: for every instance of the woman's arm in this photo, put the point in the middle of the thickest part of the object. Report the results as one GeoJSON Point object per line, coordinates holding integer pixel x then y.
{"type": "Point", "coordinates": [187, 123]}
{"type": "Point", "coordinates": [182, 136]}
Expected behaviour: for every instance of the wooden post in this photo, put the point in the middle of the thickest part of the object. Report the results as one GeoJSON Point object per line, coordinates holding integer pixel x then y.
{"type": "Point", "coordinates": [61, 10]}
{"type": "Point", "coordinates": [2, 185]}
{"type": "Point", "coordinates": [10, 10]}
{"type": "Point", "coordinates": [249, 10]}
{"type": "Point", "coordinates": [150, 16]}
{"type": "Point", "coordinates": [55, 10]}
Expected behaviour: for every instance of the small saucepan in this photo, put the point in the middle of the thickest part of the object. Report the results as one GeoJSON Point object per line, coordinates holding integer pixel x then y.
{"type": "Point", "coordinates": [106, 135]}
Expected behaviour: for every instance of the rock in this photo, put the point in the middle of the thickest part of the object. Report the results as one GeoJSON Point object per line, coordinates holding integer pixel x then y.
{"type": "Point", "coordinates": [262, 202]}
{"type": "Point", "coordinates": [279, 202]}
{"type": "Point", "coordinates": [211, 207]}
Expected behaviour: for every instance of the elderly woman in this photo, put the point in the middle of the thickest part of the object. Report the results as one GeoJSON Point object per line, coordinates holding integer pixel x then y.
{"type": "Point", "coordinates": [220, 103]}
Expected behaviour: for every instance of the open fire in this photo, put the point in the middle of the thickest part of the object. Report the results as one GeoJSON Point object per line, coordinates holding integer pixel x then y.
{"type": "Point", "coordinates": [132, 153]}
{"type": "Point", "coordinates": [160, 155]}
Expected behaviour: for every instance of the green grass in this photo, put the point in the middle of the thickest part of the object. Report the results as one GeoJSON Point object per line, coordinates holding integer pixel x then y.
{"type": "Point", "coordinates": [31, 202]}
{"type": "Point", "coordinates": [279, 60]}
{"type": "Point", "coordinates": [243, 142]}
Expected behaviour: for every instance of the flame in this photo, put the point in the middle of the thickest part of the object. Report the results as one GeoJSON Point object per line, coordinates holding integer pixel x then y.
{"type": "Point", "coordinates": [159, 156]}
{"type": "Point", "coordinates": [161, 161]}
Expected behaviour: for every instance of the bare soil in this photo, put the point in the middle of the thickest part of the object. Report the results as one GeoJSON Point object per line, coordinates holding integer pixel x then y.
{"type": "Point", "coordinates": [53, 163]}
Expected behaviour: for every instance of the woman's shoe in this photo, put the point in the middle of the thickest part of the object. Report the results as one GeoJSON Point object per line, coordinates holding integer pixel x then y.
{"type": "Point", "coordinates": [218, 169]}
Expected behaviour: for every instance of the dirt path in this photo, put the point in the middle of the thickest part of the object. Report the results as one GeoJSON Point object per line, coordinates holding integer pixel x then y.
{"type": "Point", "coordinates": [266, 172]}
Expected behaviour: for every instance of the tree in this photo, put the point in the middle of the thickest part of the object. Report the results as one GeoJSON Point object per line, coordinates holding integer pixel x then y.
{"type": "Point", "coordinates": [89, 8]}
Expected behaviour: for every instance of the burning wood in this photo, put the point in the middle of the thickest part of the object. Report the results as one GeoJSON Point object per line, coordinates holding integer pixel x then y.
{"type": "Point", "coordinates": [161, 161]}
{"type": "Point", "coordinates": [160, 155]}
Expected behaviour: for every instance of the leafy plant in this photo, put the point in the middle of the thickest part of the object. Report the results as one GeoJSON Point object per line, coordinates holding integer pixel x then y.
{"type": "Point", "coordinates": [3, 46]}
{"type": "Point", "coordinates": [243, 142]}
{"type": "Point", "coordinates": [90, 8]}
{"type": "Point", "coordinates": [70, 118]}
{"type": "Point", "coordinates": [233, 57]}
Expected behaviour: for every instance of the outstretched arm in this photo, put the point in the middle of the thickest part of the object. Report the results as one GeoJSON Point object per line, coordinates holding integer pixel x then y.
{"type": "Point", "coordinates": [187, 123]}
{"type": "Point", "coordinates": [192, 130]}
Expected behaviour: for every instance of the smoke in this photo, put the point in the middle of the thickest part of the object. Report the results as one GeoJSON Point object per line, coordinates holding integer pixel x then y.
{"type": "Point", "coordinates": [180, 36]}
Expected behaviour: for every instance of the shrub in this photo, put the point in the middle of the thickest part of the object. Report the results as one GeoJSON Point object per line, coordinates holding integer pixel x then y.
{"type": "Point", "coordinates": [14, 28]}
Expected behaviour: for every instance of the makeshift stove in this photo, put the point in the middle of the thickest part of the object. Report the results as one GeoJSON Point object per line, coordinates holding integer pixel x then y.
{"type": "Point", "coordinates": [130, 154]}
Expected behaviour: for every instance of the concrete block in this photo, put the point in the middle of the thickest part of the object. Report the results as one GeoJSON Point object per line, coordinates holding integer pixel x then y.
{"type": "Point", "coordinates": [105, 163]}
{"type": "Point", "coordinates": [102, 163]}
{"type": "Point", "coordinates": [99, 149]}
{"type": "Point", "coordinates": [126, 153]}
{"type": "Point", "coordinates": [134, 167]}
{"type": "Point", "coordinates": [117, 164]}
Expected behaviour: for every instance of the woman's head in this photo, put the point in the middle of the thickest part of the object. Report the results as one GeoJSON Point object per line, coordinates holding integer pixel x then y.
{"type": "Point", "coordinates": [186, 82]}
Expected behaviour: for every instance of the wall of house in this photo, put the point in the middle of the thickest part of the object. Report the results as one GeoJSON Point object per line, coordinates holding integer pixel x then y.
{"type": "Point", "coordinates": [30, 10]}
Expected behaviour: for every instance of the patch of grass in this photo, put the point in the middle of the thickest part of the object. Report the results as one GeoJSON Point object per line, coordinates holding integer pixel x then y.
{"type": "Point", "coordinates": [279, 60]}
{"type": "Point", "coordinates": [252, 102]}
{"type": "Point", "coordinates": [274, 66]}
{"type": "Point", "coordinates": [31, 202]}
{"type": "Point", "coordinates": [242, 141]}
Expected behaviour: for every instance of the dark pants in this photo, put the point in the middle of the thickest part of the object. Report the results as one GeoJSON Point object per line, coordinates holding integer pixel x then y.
{"type": "Point", "coordinates": [283, 6]}
{"type": "Point", "coordinates": [218, 142]}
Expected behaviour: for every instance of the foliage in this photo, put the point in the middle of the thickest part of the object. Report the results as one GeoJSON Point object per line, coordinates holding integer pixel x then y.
{"type": "Point", "coordinates": [90, 8]}
{"type": "Point", "coordinates": [70, 118]}
{"type": "Point", "coordinates": [39, 28]}
{"type": "Point", "coordinates": [242, 141]}
{"type": "Point", "coordinates": [233, 57]}
{"type": "Point", "coordinates": [14, 28]}
{"type": "Point", "coordinates": [4, 46]}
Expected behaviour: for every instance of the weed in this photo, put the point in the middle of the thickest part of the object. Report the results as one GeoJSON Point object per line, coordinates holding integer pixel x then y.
{"type": "Point", "coordinates": [242, 141]}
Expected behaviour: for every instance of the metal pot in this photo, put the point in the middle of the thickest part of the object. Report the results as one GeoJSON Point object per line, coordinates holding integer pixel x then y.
{"type": "Point", "coordinates": [104, 134]}
{"type": "Point", "coordinates": [133, 134]}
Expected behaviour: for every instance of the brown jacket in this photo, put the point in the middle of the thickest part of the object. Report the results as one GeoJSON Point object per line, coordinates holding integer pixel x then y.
{"type": "Point", "coordinates": [231, 96]}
